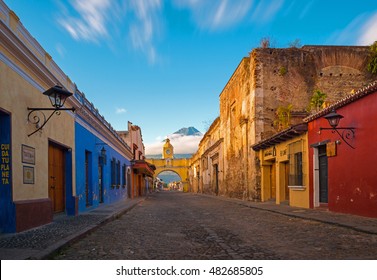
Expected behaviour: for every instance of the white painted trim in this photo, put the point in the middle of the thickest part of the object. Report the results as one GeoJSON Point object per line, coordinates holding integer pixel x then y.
{"type": "Point", "coordinates": [30, 39]}
{"type": "Point", "coordinates": [5, 11]}
{"type": "Point", "coordinates": [55, 68]}
{"type": "Point", "coordinates": [297, 188]}
{"type": "Point", "coordinates": [20, 72]}
{"type": "Point", "coordinates": [315, 177]}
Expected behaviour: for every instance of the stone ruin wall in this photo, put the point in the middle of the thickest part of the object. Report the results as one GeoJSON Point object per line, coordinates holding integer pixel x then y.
{"type": "Point", "coordinates": [270, 78]}
{"type": "Point", "coordinates": [335, 71]}
{"type": "Point", "coordinates": [234, 104]}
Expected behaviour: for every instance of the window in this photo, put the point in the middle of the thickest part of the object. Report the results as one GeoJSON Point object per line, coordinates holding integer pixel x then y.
{"type": "Point", "coordinates": [113, 173]}
{"type": "Point", "coordinates": [118, 174]}
{"type": "Point", "coordinates": [205, 163]}
{"type": "Point", "coordinates": [296, 164]}
{"type": "Point", "coordinates": [124, 174]}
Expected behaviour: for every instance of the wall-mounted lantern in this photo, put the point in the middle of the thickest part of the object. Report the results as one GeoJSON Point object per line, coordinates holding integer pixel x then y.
{"type": "Point", "coordinates": [103, 157]}
{"type": "Point", "coordinates": [347, 133]}
{"type": "Point", "coordinates": [57, 96]}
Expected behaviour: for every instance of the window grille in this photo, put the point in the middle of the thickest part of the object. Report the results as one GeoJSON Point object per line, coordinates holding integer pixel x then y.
{"type": "Point", "coordinates": [296, 162]}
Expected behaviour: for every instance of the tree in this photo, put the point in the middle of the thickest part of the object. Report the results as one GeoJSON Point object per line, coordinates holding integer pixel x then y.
{"type": "Point", "coordinates": [295, 44]}
{"type": "Point", "coordinates": [317, 101]}
{"type": "Point", "coordinates": [283, 117]}
{"type": "Point", "coordinates": [265, 42]}
{"type": "Point", "coordinates": [372, 64]}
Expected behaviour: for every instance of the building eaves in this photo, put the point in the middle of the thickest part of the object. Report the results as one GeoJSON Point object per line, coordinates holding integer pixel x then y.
{"type": "Point", "coordinates": [282, 136]}
{"type": "Point", "coordinates": [209, 131]}
{"type": "Point", "coordinates": [234, 73]}
{"type": "Point", "coordinates": [371, 88]}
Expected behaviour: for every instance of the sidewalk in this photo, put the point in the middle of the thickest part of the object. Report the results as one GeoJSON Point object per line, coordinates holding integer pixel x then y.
{"type": "Point", "coordinates": [40, 242]}
{"type": "Point", "coordinates": [357, 223]}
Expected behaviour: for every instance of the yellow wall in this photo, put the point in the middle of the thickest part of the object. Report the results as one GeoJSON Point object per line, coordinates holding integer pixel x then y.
{"type": "Point", "coordinates": [278, 156]}
{"type": "Point", "coordinates": [22, 87]}
{"type": "Point", "coordinates": [179, 166]}
{"type": "Point", "coordinates": [16, 96]}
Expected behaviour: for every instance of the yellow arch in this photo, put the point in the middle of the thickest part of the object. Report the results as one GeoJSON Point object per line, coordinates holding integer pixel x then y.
{"type": "Point", "coordinates": [179, 166]}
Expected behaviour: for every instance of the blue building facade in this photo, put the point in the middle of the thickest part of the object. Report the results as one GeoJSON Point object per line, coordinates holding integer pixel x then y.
{"type": "Point", "coordinates": [103, 159]}
{"type": "Point", "coordinates": [74, 164]}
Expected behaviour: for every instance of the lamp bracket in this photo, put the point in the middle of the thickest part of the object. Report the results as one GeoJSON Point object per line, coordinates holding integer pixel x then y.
{"type": "Point", "coordinates": [347, 133]}
{"type": "Point", "coordinates": [37, 116]}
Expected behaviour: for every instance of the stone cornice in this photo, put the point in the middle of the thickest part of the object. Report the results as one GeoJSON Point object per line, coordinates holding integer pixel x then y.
{"type": "Point", "coordinates": [88, 113]}
{"type": "Point", "coordinates": [25, 57]}
{"type": "Point", "coordinates": [214, 146]}
{"type": "Point", "coordinates": [30, 64]}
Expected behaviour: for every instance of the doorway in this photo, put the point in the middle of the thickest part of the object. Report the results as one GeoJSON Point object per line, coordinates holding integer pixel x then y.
{"type": "Point", "coordinates": [273, 181]}
{"type": "Point", "coordinates": [56, 177]}
{"type": "Point", "coordinates": [286, 180]}
{"type": "Point", "coordinates": [88, 179]}
{"type": "Point", "coordinates": [7, 209]}
{"type": "Point", "coordinates": [323, 174]}
{"type": "Point", "coordinates": [216, 172]}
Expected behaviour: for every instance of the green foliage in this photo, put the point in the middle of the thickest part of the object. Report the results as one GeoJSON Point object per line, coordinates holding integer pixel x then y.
{"type": "Point", "coordinates": [283, 117]}
{"type": "Point", "coordinates": [372, 64]}
{"type": "Point", "coordinates": [283, 71]}
{"type": "Point", "coordinates": [317, 101]}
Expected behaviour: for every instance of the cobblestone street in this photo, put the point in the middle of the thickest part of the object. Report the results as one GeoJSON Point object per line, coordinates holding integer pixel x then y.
{"type": "Point", "coordinates": [173, 225]}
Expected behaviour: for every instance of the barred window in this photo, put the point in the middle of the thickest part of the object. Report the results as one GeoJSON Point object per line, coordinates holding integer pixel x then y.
{"type": "Point", "coordinates": [295, 164]}
{"type": "Point", "coordinates": [113, 172]}
{"type": "Point", "coordinates": [118, 174]}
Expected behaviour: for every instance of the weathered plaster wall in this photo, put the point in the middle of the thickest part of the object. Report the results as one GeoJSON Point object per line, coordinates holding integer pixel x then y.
{"type": "Point", "coordinates": [270, 78]}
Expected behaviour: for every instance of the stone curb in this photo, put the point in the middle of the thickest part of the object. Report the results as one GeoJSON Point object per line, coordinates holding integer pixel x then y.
{"type": "Point", "coordinates": [55, 248]}
{"type": "Point", "coordinates": [324, 219]}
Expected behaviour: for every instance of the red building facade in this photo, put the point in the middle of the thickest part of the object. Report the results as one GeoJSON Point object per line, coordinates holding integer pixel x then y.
{"type": "Point", "coordinates": [343, 176]}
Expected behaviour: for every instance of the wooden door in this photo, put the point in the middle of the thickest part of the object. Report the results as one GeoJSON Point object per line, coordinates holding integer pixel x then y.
{"type": "Point", "coordinates": [139, 185]}
{"type": "Point", "coordinates": [286, 178]}
{"type": "Point", "coordinates": [129, 184]}
{"type": "Point", "coordinates": [273, 181]}
{"type": "Point", "coordinates": [216, 173]}
{"type": "Point", "coordinates": [56, 177]}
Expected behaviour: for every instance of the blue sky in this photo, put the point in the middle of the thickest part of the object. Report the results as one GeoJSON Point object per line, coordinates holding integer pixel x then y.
{"type": "Point", "coordinates": [162, 64]}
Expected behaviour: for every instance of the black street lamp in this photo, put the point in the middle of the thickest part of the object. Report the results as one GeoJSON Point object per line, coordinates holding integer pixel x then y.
{"type": "Point", "coordinates": [103, 156]}
{"type": "Point", "coordinates": [57, 96]}
{"type": "Point", "coordinates": [347, 133]}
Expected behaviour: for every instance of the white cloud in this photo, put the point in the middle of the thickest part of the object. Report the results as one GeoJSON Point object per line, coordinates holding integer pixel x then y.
{"type": "Point", "coordinates": [91, 22]}
{"type": "Point", "coordinates": [142, 31]}
{"type": "Point", "coordinates": [266, 10]}
{"type": "Point", "coordinates": [96, 20]}
{"type": "Point", "coordinates": [362, 30]}
{"type": "Point", "coordinates": [120, 111]}
{"type": "Point", "coordinates": [306, 9]}
{"type": "Point", "coordinates": [60, 49]}
{"type": "Point", "coordinates": [181, 144]}
{"type": "Point", "coordinates": [368, 33]}
{"type": "Point", "coordinates": [216, 14]}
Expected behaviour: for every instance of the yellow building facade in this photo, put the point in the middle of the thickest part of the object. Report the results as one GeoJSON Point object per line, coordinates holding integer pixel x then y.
{"type": "Point", "coordinates": [169, 163]}
{"type": "Point", "coordinates": [283, 160]}
{"type": "Point", "coordinates": [27, 196]}
{"type": "Point", "coordinates": [207, 164]}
